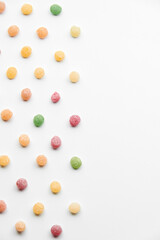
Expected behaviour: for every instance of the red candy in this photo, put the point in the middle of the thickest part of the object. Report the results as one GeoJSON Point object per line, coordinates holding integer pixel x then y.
{"type": "Point", "coordinates": [74, 120]}
{"type": "Point", "coordinates": [56, 230]}
{"type": "Point", "coordinates": [55, 97]}
{"type": "Point", "coordinates": [3, 206]}
{"type": "Point", "coordinates": [21, 184]}
{"type": "Point", "coordinates": [55, 142]}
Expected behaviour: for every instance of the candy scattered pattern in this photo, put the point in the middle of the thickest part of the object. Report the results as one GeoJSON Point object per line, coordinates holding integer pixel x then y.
{"type": "Point", "coordinates": [55, 9]}
{"type": "Point", "coordinates": [4, 160]}
{"type": "Point", "coordinates": [42, 32]}
{"type": "Point", "coordinates": [6, 114]}
{"type": "Point", "coordinates": [55, 187]}
{"type": "Point", "coordinates": [11, 73]}
{"type": "Point", "coordinates": [20, 226]}
{"type": "Point", "coordinates": [26, 52]}
{"type": "Point", "coordinates": [59, 56]}
{"type": "Point", "coordinates": [24, 140]}
{"type": "Point", "coordinates": [38, 208]}
{"type": "Point", "coordinates": [74, 120]}
{"type": "Point", "coordinates": [39, 73]}
{"type": "Point", "coordinates": [75, 31]}
{"type": "Point", "coordinates": [38, 120]}
{"type": "Point", "coordinates": [74, 77]}
{"type": "Point", "coordinates": [75, 162]}
{"type": "Point", "coordinates": [26, 94]}
{"type": "Point", "coordinates": [21, 184]}
{"type": "Point", "coordinates": [74, 208]}
{"type": "Point", "coordinates": [55, 142]}
{"type": "Point", "coordinates": [13, 31]}
{"type": "Point", "coordinates": [41, 160]}
{"type": "Point", "coordinates": [26, 9]}
{"type": "Point", "coordinates": [56, 230]}
{"type": "Point", "coordinates": [55, 97]}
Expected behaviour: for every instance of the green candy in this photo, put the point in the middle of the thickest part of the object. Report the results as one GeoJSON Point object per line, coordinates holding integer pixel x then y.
{"type": "Point", "coordinates": [76, 162]}
{"type": "Point", "coordinates": [38, 120]}
{"type": "Point", "coordinates": [55, 9]}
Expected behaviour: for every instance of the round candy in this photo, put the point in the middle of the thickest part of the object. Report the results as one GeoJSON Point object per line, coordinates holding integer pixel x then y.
{"type": "Point", "coordinates": [41, 160]}
{"type": "Point", "coordinates": [55, 9]}
{"type": "Point", "coordinates": [42, 32]}
{"type": "Point", "coordinates": [24, 140]}
{"type": "Point", "coordinates": [38, 208]}
{"type": "Point", "coordinates": [55, 142]}
{"type": "Point", "coordinates": [75, 31]}
{"type": "Point", "coordinates": [26, 9]}
{"type": "Point", "coordinates": [2, 7]}
{"type": "Point", "coordinates": [21, 184]}
{"type": "Point", "coordinates": [74, 208]}
{"type": "Point", "coordinates": [59, 56]}
{"type": "Point", "coordinates": [39, 73]}
{"type": "Point", "coordinates": [55, 187]}
{"type": "Point", "coordinates": [38, 120]}
{"type": "Point", "coordinates": [4, 160]}
{"type": "Point", "coordinates": [26, 52]}
{"type": "Point", "coordinates": [26, 94]}
{"type": "Point", "coordinates": [74, 77]}
{"type": "Point", "coordinates": [3, 206]}
{"type": "Point", "coordinates": [13, 31]}
{"type": "Point", "coordinates": [74, 120]}
{"type": "Point", "coordinates": [55, 97]}
{"type": "Point", "coordinates": [11, 72]}
{"type": "Point", "coordinates": [56, 230]}
{"type": "Point", "coordinates": [6, 114]}
{"type": "Point", "coordinates": [75, 162]}
{"type": "Point", "coordinates": [20, 226]}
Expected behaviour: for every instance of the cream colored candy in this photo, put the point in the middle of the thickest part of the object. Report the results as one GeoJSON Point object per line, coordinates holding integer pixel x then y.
{"type": "Point", "coordinates": [6, 114]}
{"type": "Point", "coordinates": [59, 56]}
{"type": "Point", "coordinates": [26, 52]}
{"type": "Point", "coordinates": [42, 32]}
{"type": "Point", "coordinates": [41, 160]}
{"type": "Point", "coordinates": [38, 208]}
{"type": "Point", "coordinates": [26, 9]}
{"type": "Point", "coordinates": [13, 31]}
{"type": "Point", "coordinates": [4, 160]}
{"type": "Point", "coordinates": [39, 73]}
{"type": "Point", "coordinates": [24, 140]}
{"type": "Point", "coordinates": [55, 187]}
{"type": "Point", "coordinates": [75, 31]}
{"type": "Point", "coordinates": [11, 72]}
{"type": "Point", "coordinates": [20, 226]}
{"type": "Point", "coordinates": [74, 77]}
{"type": "Point", "coordinates": [74, 208]}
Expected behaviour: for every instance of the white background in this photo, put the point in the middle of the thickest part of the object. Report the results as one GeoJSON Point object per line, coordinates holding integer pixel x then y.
{"type": "Point", "coordinates": [117, 98]}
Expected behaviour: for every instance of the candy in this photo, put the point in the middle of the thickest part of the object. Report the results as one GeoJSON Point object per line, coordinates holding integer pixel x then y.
{"type": "Point", "coordinates": [74, 77]}
{"type": "Point", "coordinates": [13, 31]}
{"type": "Point", "coordinates": [42, 32]}
{"type": "Point", "coordinates": [20, 226]}
{"type": "Point", "coordinates": [26, 9]}
{"type": "Point", "coordinates": [75, 162]}
{"type": "Point", "coordinates": [38, 208]}
{"type": "Point", "coordinates": [2, 7]}
{"type": "Point", "coordinates": [75, 31]}
{"type": "Point", "coordinates": [39, 73]}
{"type": "Point", "coordinates": [55, 142]}
{"type": "Point", "coordinates": [56, 230]}
{"type": "Point", "coordinates": [6, 114]}
{"type": "Point", "coordinates": [21, 184]}
{"type": "Point", "coordinates": [74, 120]}
{"type": "Point", "coordinates": [3, 206]}
{"type": "Point", "coordinates": [55, 187]}
{"type": "Point", "coordinates": [55, 97]}
{"type": "Point", "coordinates": [38, 120]}
{"type": "Point", "coordinates": [11, 72]}
{"type": "Point", "coordinates": [4, 160]}
{"type": "Point", "coordinates": [74, 208]}
{"type": "Point", "coordinates": [55, 9]}
{"type": "Point", "coordinates": [26, 94]}
{"type": "Point", "coordinates": [41, 160]}
{"type": "Point", "coordinates": [59, 56]}
{"type": "Point", "coordinates": [26, 52]}
{"type": "Point", "coordinates": [24, 140]}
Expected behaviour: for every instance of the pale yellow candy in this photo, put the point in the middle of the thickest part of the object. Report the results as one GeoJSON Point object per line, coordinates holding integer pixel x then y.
{"type": "Point", "coordinates": [39, 73]}
{"type": "Point", "coordinates": [75, 31]}
{"type": "Point", "coordinates": [20, 226]}
{"type": "Point", "coordinates": [55, 187]}
{"type": "Point", "coordinates": [74, 208]}
{"type": "Point", "coordinates": [4, 160]}
{"type": "Point", "coordinates": [38, 208]}
{"type": "Point", "coordinates": [26, 9]}
{"type": "Point", "coordinates": [74, 77]}
{"type": "Point", "coordinates": [11, 72]}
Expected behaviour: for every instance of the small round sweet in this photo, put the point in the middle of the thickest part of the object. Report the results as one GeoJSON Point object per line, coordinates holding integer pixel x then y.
{"type": "Point", "coordinates": [55, 97]}
{"type": "Point", "coordinates": [42, 32]}
{"type": "Point", "coordinates": [56, 230]}
{"type": "Point", "coordinates": [55, 187]}
{"type": "Point", "coordinates": [75, 162]}
{"type": "Point", "coordinates": [21, 184]}
{"type": "Point", "coordinates": [20, 226]}
{"type": "Point", "coordinates": [74, 208]}
{"type": "Point", "coordinates": [26, 9]}
{"type": "Point", "coordinates": [26, 52]}
{"type": "Point", "coordinates": [13, 30]}
{"type": "Point", "coordinates": [38, 120]}
{"type": "Point", "coordinates": [6, 114]}
{"type": "Point", "coordinates": [11, 72]}
{"type": "Point", "coordinates": [39, 73]}
{"type": "Point", "coordinates": [59, 56]}
{"type": "Point", "coordinates": [4, 160]}
{"type": "Point", "coordinates": [74, 77]}
{"type": "Point", "coordinates": [75, 31]}
{"type": "Point", "coordinates": [55, 9]}
{"type": "Point", "coordinates": [41, 160]}
{"type": "Point", "coordinates": [38, 208]}
{"type": "Point", "coordinates": [74, 120]}
{"type": "Point", "coordinates": [26, 94]}
{"type": "Point", "coordinates": [55, 142]}
{"type": "Point", "coordinates": [24, 140]}
{"type": "Point", "coordinates": [3, 206]}
{"type": "Point", "coordinates": [2, 7]}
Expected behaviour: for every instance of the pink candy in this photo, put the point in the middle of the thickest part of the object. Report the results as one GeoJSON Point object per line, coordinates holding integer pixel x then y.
{"type": "Point", "coordinates": [21, 184]}
{"type": "Point", "coordinates": [74, 120]}
{"type": "Point", "coordinates": [55, 142]}
{"type": "Point", "coordinates": [55, 97]}
{"type": "Point", "coordinates": [56, 230]}
{"type": "Point", "coordinates": [3, 206]}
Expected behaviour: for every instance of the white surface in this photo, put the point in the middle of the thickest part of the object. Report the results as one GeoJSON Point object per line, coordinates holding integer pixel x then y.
{"type": "Point", "coordinates": [118, 96]}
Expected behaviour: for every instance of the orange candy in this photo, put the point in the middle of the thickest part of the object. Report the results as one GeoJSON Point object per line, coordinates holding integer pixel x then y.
{"type": "Point", "coordinates": [6, 114]}
{"type": "Point", "coordinates": [26, 94]}
{"type": "Point", "coordinates": [13, 31]}
{"type": "Point", "coordinates": [41, 160]}
{"type": "Point", "coordinates": [42, 32]}
{"type": "Point", "coordinates": [2, 7]}
{"type": "Point", "coordinates": [24, 140]}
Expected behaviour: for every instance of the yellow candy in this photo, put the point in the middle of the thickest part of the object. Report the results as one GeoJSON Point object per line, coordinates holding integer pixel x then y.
{"type": "Point", "coordinates": [4, 160]}
{"type": "Point", "coordinates": [38, 208]}
{"type": "Point", "coordinates": [39, 73]}
{"type": "Point", "coordinates": [75, 31]}
{"type": "Point", "coordinates": [20, 226]}
{"type": "Point", "coordinates": [74, 77]}
{"type": "Point", "coordinates": [11, 72]}
{"type": "Point", "coordinates": [26, 52]}
{"type": "Point", "coordinates": [74, 208]}
{"type": "Point", "coordinates": [26, 9]}
{"type": "Point", "coordinates": [59, 56]}
{"type": "Point", "coordinates": [55, 187]}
